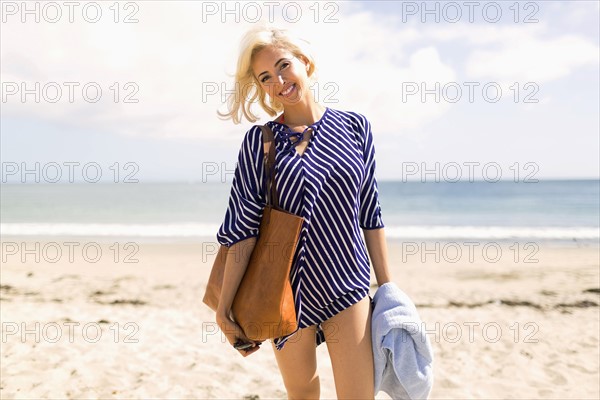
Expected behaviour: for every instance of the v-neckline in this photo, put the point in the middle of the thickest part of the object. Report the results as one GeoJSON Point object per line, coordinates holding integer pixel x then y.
{"type": "Point", "coordinates": [308, 145]}
{"type": "Point", "coordinates": [312, 136]}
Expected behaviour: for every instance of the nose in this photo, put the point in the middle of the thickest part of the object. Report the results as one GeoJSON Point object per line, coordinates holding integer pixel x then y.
{"type": "Point", "coordinates": [280, 79]}
{"type": "Point", "coordinates": [280, 82]}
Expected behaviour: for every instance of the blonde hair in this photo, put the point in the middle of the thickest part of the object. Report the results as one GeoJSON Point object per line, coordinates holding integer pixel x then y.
{"type": "Point", "coordinates": [246, 88]}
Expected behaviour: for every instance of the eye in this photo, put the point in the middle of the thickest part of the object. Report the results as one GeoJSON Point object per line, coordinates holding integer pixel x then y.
{"type": "Point", "coordinates": [284, 64]}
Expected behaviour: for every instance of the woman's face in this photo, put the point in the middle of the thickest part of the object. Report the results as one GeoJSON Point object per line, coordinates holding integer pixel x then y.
{"type": "Point", "coordinates": [281, 75]}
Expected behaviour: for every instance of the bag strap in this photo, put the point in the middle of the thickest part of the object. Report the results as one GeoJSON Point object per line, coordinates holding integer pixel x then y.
{"type": "Point", "coordinates": [269, 163]}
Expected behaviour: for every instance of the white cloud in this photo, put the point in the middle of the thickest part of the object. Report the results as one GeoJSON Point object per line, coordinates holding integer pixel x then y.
{"type": "Point", "coordinates": [532, 59]}
{"type": "Point", "coordinates": [526, 52]}
{"type": "Point", "coordinates": [483, 34]}
{"type": "Point", "coordinates": [171, 53]}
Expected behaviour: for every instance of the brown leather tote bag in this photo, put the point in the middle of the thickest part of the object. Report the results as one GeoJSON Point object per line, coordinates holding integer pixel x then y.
{"type": "Point", "coordinates": [263, 305]}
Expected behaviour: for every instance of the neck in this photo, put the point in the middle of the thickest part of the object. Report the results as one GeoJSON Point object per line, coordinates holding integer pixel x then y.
{"type": "Point", "coordinates": [302, 114]}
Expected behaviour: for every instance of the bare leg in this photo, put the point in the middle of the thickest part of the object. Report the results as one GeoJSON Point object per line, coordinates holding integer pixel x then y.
{"type": "Point", "coordinates": [348, 337]}
{"type": "Point", "coordinates": [297, 363]}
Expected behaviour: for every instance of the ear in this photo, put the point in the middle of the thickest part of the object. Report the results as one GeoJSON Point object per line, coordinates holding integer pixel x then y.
{"type": "Point", "coordinates": [305, 61]}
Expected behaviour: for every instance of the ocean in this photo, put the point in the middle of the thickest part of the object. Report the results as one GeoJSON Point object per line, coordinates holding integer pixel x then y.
{"type": "Point", "coordinates": [549, 210]}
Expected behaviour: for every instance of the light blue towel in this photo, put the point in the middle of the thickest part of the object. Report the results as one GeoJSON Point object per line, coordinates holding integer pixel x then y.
{"type": "Point", "coordinates": [402, 352]}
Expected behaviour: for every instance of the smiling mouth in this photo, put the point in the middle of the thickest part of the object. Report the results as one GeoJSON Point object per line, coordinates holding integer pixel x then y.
{"type": "Point", "coordinates": [288, 91]}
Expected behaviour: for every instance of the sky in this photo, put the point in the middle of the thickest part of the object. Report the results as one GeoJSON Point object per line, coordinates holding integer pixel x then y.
{"type": "Point", "coordinates": [474, 90]}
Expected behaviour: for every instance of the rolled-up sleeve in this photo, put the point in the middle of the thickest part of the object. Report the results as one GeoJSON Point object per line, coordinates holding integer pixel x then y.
{"type": "Point", "coordinates": [370, 208]}
{"type": "Point", "coordinates": [246, 199]}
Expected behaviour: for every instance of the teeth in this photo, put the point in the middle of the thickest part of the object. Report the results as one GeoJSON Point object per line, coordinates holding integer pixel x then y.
{"type": "Point", "coordinates": [288, 90]}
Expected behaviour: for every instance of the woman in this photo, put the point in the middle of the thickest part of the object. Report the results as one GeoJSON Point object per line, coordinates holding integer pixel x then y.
{"type": "Point", "coordinates": [325, 172]}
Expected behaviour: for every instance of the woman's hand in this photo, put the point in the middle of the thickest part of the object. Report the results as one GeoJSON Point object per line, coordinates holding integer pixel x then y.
{"type": "Point", "coordinates": [235, 334]}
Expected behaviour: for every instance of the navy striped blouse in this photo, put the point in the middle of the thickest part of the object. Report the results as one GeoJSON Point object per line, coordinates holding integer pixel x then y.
{"type": "Point", "coordinates": [334, 187]}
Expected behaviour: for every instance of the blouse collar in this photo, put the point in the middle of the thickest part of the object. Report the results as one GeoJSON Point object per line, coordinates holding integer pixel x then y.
{"type": "Point", "coordinates": [283, 133]}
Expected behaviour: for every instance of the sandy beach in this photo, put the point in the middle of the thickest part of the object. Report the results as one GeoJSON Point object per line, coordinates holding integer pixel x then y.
{"type": "Point", "coordinates": [506, 321]}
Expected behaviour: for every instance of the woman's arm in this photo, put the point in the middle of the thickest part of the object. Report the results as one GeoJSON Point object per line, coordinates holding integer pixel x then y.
{"type": "Point", "coordinates": [238, 256]}
{"type": "Point", "coordinates": [377, 247]}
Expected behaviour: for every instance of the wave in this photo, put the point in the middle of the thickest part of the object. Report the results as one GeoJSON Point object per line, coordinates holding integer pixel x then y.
{"type": "Point", "coordinates": [194, 230]}
{"type": "Point", "coordinates": [492, 232]}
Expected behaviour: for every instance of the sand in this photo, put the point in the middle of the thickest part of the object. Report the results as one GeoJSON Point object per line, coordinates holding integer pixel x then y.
{"type": "Point", "coordinates": [503, 326]}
